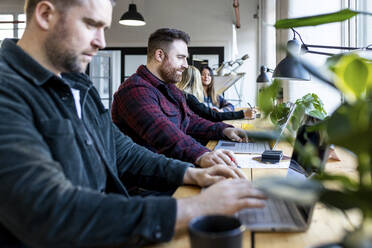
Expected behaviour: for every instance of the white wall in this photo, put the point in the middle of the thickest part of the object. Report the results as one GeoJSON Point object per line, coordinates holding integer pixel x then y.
{"type": "Point", "coordinates": [209, 23]}
{"type": "Point", "coordinates": [11, 6]}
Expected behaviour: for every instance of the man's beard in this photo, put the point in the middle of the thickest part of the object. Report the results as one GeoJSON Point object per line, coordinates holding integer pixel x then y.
{"type": "Point", "coordinates": [58, 54]}
{"type": "Point", "coordinates": [169, 73]}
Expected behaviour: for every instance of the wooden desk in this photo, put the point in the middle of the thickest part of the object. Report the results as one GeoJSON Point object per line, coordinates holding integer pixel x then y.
{"type": "Point", "coordinates": [327, 225]}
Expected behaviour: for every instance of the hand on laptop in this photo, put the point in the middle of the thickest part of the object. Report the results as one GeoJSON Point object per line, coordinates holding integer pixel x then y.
{"type": "Point", "coordinates": [226, 197]}
{"type": "Point", "coordinates": [235, 134]}
{"type": "Point", "coordinates": [208, 176]}
{"type": "Point", "coordinates": [230, 196]}
{"type": "Point", "coordinates": [219, 156]}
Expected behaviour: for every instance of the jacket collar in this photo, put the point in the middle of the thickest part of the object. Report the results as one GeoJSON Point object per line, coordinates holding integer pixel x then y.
{"type": "Point", "coordinates": [27, 66]}
{"type": "Point", "coordinates": [143, 72]}
{"type": "Point", "coordinates": [169, 90]}
{"type": "Point", "coordinates": [23, 63]}
{"type": "Point", "coordinates": [147, 75]}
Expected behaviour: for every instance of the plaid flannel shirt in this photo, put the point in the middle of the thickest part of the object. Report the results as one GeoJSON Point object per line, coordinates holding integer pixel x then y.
{"type": "Point", "coordinates": [155, 114]}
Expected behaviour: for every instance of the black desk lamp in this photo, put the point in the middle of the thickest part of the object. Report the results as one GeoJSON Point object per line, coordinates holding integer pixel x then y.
{"type": "Point", "coordinates": [263, 77]}
{"type": "Point", "coordinates": [289, 68]}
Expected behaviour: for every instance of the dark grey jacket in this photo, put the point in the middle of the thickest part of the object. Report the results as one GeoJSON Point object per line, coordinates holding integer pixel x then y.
{"type": "Point", "coordinates": [61, 178]}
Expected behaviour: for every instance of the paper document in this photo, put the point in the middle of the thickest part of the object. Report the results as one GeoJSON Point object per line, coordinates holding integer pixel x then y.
{"type": "Point", "coordinates": [247, 161]}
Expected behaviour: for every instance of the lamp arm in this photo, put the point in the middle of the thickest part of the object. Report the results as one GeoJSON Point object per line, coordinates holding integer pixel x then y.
{"type": "Point", "coordinates": [334, 47]}
{"type": "Point", "coordinates": [306, 46]}
{"type": "Point", "coordinates": [321, 53]}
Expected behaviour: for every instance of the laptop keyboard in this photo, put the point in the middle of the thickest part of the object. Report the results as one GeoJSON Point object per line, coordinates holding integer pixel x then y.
{"type": "Point", "coordinates": [251, 147]}
{"type": "Point", "coordinates": [275, 212]}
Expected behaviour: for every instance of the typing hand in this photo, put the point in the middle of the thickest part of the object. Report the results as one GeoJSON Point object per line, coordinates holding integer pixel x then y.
{"type": "Point", "coordinates": [225, 197]}
{"type": "Point", "coordinates": [208, 176]}
{"type": "Point", "coordinates": [219, 156]}
{"type": "Point", "coordinates": [235, 134]}
{"type": "Point", "coordinates": [229, 196]}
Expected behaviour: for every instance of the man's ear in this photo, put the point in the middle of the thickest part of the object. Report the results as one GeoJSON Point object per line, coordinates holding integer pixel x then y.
{"type": "Point", "coordinates": [159, 55]}
{"type": "Point", "coordinates": [45, 14]}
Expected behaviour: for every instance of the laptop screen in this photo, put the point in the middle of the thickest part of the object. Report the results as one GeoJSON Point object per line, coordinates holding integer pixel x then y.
{"type": "Point", "coordinates": [300, 162]}
{"type": "Point", "coordinates": [300, 165]}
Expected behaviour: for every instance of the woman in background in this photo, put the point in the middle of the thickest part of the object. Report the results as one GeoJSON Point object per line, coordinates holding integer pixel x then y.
{"type": "Point", "coordinates": [211, 99]}
{"type": "Point", "coordinates": [191, 85]}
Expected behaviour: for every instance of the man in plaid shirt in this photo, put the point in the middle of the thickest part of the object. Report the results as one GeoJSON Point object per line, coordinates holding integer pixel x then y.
{"type": "Point", "coordinates": [149, 108]}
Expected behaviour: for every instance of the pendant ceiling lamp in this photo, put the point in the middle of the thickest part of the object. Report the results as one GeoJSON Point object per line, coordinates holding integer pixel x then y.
{"type": "Point", "coordinates": [132, 17]}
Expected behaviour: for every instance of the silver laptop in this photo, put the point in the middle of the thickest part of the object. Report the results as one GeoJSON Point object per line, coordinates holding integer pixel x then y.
{"type": "Point", "coordinates": [254, 147]}
{"type": "Point", "coordinates": [279, 215]}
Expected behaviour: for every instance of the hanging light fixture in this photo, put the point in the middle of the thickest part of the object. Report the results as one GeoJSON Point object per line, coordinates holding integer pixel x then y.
{"type": "Point", "coordinates": [132, 17]}
{"type": "Point", "coordinates": [289, 68]}
{"type": "Point", "coordinates": [263, 77]}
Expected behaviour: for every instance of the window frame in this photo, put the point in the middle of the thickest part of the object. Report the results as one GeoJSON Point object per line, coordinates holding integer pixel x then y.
{"type": "Point", "coordinates": [16, 21]}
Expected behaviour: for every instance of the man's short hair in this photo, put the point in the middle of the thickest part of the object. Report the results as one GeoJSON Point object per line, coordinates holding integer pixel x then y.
{"type": "Point", "coordinates": [163, 38]}
{"type": "Point", "coordinates": [61, 5]}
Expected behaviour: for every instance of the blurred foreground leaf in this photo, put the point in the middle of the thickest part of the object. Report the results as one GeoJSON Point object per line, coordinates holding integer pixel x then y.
{"type": "Point", "coordinates": [338, 16]}
{"type": "Point", "coordinates": [354, 76]}
{"type": "Point", "coordinates": [345, 181]}
{"type": "Point", "coordinates": [348, 199]}
{"type": "Point", "coordinates": [291, 189]}
{"type": "Point", "coordinates": [350, 126]}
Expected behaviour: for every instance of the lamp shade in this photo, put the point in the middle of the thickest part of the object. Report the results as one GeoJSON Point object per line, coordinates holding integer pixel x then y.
{"type": "Point", "coordinates": [263, 77]}
{"type": "Point", "coordinates": [289, 68]}
{"type": "Point", "coordinates": [132, 17]}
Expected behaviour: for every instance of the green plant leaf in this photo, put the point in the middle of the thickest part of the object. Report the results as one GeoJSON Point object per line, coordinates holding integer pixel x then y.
{"type": "Point", "coordinates": [338, 199]}
{"type": "Point", "coordinates": [267, 96]}
{"type": "Point", "coordinates": [348, 199]}
{"type": "Point", "coordinates": [333, 60]}
{"type": "Point", "coordinates": [350, 126]}
{"type": "Point", "coordinates": [345, 181]}
{"type": "Point", "coordinates": [311, 105]}
{"type": "Point", "coordinates": [339, 16]}
{"type": "Point", "coordinates": [317, 114]}
{"type": "Point", "coordinates": [279, 114]}
{"type": "Point", "coordinates": [353, 76]}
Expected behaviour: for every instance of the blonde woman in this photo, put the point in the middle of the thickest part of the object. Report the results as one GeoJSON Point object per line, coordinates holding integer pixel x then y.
{"type": "Point", "coordinates": [191, 83]}
{"type": "Point", "coordinates": [192, 86]}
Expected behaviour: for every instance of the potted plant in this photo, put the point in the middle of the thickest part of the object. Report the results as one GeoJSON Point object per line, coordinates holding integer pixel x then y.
{"type": "Point", "coordinates": [350, 126]}
{"type": "Point", "coordinates": [310, 105]}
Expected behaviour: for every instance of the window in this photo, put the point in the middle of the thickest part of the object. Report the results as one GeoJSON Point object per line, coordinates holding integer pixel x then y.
{"type": "Point", "coordinates": [329, 35]}
{"type": "Point", "coordinates": [354, 32]}
{"type": "Point", "coordinates": [105, 71]}
{"type": "Point", "coordinates": [6, 26]}
{"type": "Point", "coordinates": [12, 25]}
{"type": "Point", "coordinates": [363, 31]}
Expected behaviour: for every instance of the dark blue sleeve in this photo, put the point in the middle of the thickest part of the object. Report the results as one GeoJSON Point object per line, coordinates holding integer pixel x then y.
{"type": "Point", "coordinates": [224, 105]}
{"type": "Point", "coordinates": [208, 113]}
